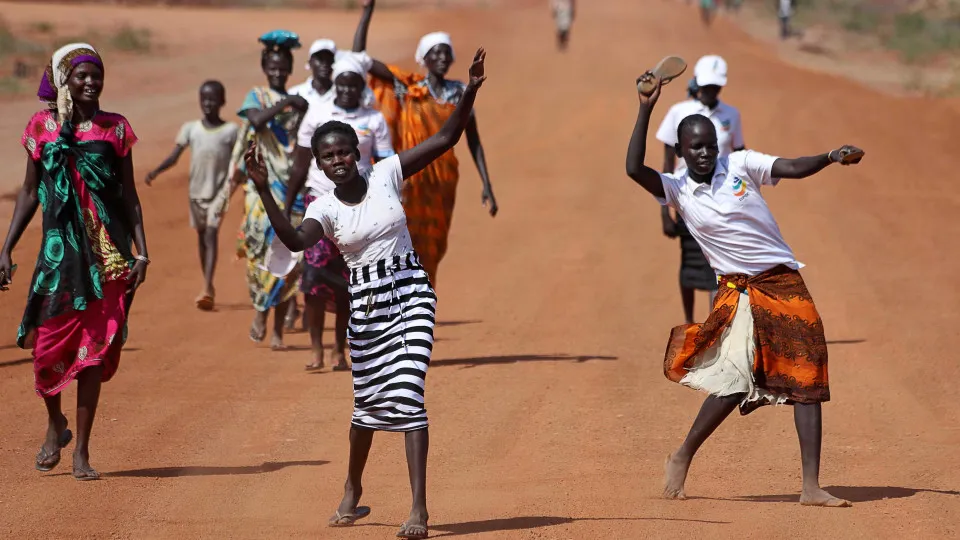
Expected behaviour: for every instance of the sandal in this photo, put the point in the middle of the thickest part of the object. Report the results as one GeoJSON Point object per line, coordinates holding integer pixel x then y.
{"type": "Point", "coordinates": [342, 367]}
{"type": "Point", "coordinates": [850, 156]}
{"type": "Point", "coordinates": [258, 334]}
{"type": "Point", "coordinates": [43, 456]}
{"type": "Point", "coordinates": [85, 474]}
{"type": "Point", "coordinates": [668, 69]}
{"type": "Point", "coordinates": [417, 532]}
{"type": "Point", "coordinates": [346, 520]}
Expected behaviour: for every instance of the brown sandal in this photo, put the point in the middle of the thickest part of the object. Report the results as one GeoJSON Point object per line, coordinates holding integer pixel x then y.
{"type": "Point", "coordinates": [667, 69]}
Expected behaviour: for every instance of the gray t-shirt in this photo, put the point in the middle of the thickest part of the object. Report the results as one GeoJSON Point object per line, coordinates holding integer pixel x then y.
{"type": "Point", "coordinates": [210, 152]}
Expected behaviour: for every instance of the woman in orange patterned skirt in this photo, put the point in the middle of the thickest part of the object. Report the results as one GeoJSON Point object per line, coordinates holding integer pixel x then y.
{"type": "Point", "coordinates": [763, 343]}
{"type": "Point", "coordinates": [416, 106]}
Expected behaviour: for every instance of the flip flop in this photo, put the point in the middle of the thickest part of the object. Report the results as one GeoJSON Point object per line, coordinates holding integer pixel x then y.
{"type": "Point", "coordinates": [43, 455]}
{"type": "Point", "coordinates": [404, 532]}
{"type": "Point", "coordinates": [205, 303]}
{"type": "Point", "coordinates": [849, 157]}
{"type": "Point", "coordinates": [85, 474]}
{"type": "Point", "coordinates": [668, 69]}
{"type": "Point", "coordinates": [346, 520]}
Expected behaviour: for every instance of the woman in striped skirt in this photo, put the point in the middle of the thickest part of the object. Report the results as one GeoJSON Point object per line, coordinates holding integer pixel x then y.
{"type": "Point", "coordinates": [392, 303]}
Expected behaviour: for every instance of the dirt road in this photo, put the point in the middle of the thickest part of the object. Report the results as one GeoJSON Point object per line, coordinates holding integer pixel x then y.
{"type": "Point", "coordinates": [550, 415]}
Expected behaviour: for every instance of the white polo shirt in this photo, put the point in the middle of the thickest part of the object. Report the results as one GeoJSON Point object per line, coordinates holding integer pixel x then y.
{"type": "Point", "coordinates": [372, 131]}
{"type": "Point", "coordinates": [724, 117]}
{"type": "Point", "coordinates": [729, 218]}
{"type": "Point", "coordinates": [309, 93]}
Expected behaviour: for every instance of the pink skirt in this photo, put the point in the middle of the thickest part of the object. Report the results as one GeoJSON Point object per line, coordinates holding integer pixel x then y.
{"type": "Point", "coordinates": [76, 340]}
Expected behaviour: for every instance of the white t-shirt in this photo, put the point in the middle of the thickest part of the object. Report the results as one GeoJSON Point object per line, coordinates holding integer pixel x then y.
{"type": "Point", "coordinates": [376, 227]}
{"type": "Point", "coordinates": [372, 131]}
{"type": "Point", "coordinates": [210, 152]}
{"type": "Point", "coordinates": [729, 218]}
{"type": "Point", "coordinates": [309, 93]}
{"type": "Point", "coordinates": [724, 117]}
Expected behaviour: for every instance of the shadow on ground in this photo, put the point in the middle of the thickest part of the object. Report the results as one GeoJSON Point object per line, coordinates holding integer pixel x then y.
{"type": "Point", "coordinates": [527, 523]}
{"type": "Point", "coordinates": [854, 494]}
{"type": "Point", "coordinates": [513, 359]}
{"type": "Point", "coordinates": [176, 472]}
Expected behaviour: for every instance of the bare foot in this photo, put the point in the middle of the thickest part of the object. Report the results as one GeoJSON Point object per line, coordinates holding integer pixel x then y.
{"type": "Point", "coordinates": [276, 343]}
{"type": "Point", "coordinates": [317, 363]}
{"type": "Point", "coordinates": [258, 329]}
{"type": "Point", "coordinates": [340, 361]}
{"type": "Point", "coordinates": [819, 497]}
{"type": "Point", "coordinates": [675, 474]}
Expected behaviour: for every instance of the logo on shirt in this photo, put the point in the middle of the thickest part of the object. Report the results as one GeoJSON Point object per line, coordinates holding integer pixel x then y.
{"type": "Point", "coordinates": [725, 124]}
{"type": "Point", "coordinates": [739, 188]}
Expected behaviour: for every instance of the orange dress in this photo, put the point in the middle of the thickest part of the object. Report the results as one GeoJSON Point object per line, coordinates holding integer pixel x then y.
{"type": "Point", "coordinates": [414, 113]}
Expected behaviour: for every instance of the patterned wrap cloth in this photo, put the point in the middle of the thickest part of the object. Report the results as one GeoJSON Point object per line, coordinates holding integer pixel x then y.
{"type": "Point", "coordinates": [790, 350]}
{"type": "Point", "coordinates": [76, 312]}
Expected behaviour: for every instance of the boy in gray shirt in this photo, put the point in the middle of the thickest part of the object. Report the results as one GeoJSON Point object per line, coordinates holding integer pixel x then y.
{"type": "Point", "coordinates": [211, 141]}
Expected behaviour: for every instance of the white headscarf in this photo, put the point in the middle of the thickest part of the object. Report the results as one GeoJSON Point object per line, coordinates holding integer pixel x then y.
{"type": "Point", "coordinates": [430, 41]}
{"type": "Point", "coordinates": [53, 86]}
{"type": "Point", "coordinates": [354, 62]}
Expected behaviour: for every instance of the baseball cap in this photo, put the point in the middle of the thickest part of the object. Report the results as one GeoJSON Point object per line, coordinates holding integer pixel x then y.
{"type": "Point", "coordinates": [322, 45]}
{"type": "Point", "coordinates": [711, 70]}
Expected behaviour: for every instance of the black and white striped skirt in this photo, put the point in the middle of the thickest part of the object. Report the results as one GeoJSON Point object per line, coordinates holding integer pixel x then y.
{"type": "Point", "coordinates": [392, 313]}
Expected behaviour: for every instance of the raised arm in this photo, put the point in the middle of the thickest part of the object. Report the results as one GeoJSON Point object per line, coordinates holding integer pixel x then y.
{"type": "Point", "coordinates": [360, 37]}
{"type": "Point", "coordinates": [378, 69]}
{"type": "Point", "coordinates": [417, 158]}
{"type": "Point", "coordinates": [648, 178]}
{"type": "Point", "coordinates": [803, 167]}
{"type": "Point", "coordinates": [165, 164]}
{"type": "Point", "coordinates": [131, 201]}
{"type": "Point", "coordinates": [308, 234]}
{"type": "Point", "coordinates": [26, 207]}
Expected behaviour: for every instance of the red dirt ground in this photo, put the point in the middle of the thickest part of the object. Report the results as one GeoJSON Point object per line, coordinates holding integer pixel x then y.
{"type": "Point", "coordinates": [550, 415]}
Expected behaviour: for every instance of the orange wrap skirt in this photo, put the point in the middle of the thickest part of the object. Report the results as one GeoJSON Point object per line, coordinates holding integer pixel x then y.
{"type": "Point", "coordinates": [789, 347]}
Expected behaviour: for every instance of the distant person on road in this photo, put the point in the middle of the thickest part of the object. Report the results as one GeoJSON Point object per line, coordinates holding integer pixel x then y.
{"type": "Point", "coordinates": [708, 8]}
{"type": "Point", "coordinates": [211, 141]}
{"type": "Point", "coordinates": [393, 305]}
{"type": "Point", "coordinates": [80, 176]}
{"type": "Point", "coordinates": [763, 343]}
{"type": "Point", "coordinates": [564, 12]}
{"type": "Point", "coordinates": [784, 12]}
{"type": "Point", "coordinates": [271, 118]}
{"type": "Point", "coordinates": [416, 107]}
{"type": "Point", "coordinates": [710, 76]}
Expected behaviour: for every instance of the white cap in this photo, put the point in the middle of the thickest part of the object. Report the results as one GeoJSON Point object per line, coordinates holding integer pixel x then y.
{"type": "Point", "coordinates": [711, 71]}
{"type": "Point", "coordinates": [321, 45]}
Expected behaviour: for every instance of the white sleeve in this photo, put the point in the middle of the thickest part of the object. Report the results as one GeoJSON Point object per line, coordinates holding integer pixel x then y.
{"type": "Point", "coordinates": [391, 172]}
{"type": "Point", "coordinates": [667, 133]}
{"type": "Point", "coordinates": [307, 127]}
{"type": "Point", "coordinates": [756, 166]}
{"type": "Point", "coordinates": [317, 211]}
{"type": "Point", "coordinates": [737, 132]}
{"type": "Point", "coordinates": [183, 137]}
{"type": "Point", "coordinates": [671, 191]}
{"type": "Point", "coordinates": [382, 143]}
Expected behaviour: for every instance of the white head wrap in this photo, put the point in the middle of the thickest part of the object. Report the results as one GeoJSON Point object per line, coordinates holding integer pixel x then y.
{"type": "Point", "coordinates": [53, 87]}
{"type": "Point", "coordinates": [355, 62]}
{"type": "Point", "coordinates": [430, 41]}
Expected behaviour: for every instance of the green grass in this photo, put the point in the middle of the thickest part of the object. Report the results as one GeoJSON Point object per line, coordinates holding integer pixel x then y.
{"type": "Point", "coordinates": [10, 85]}
{"type": "Point", "coordinates": [42, 27]}
{"type": "Point", "coordinates": [131, 39]}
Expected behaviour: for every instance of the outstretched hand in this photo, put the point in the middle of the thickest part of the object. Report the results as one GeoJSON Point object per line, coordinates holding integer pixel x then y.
{"type": "Point", "coordinates": [476, 69]}
{"type": "Point", "coordinates": [847, 155]}
{"type": "Point", "coordinates": [651, 99]}
{"type": "Point", "coordinates": [256, 168]}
